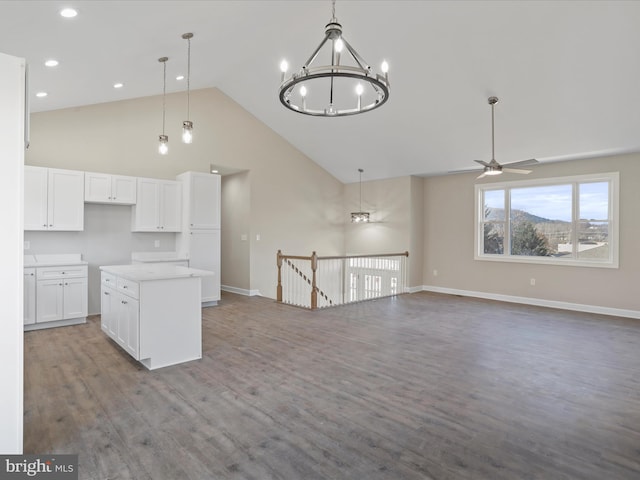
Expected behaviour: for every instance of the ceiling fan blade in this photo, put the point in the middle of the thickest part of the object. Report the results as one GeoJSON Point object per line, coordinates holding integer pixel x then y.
{"type": "Point", "coordinates": [521, 163]}
{"type": "Point", "coordinates": [482, 162]}
{"type": "Point", "coordinates": [467, 170]}
{"type": "Point", "coordinates": [515, 170]}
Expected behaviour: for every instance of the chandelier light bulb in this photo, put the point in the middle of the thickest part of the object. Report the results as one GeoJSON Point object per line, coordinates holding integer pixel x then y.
{"type": "Point", "coordinates": [284, 66]}
{"type": "Point", "coordinates": [384, 67]}
{"type": "Point", "coordinates": [359, 89]}
{"type": "Point", "coordinates": [338, 45]}
{"type": "Point", "coordinates": [303, 91]}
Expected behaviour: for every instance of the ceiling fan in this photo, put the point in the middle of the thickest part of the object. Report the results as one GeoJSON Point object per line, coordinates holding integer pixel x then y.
{"type": "Point", "coordinates": [493, 167]}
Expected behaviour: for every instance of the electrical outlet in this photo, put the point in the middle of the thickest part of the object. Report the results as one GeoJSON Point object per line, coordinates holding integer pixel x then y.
{"type": "Point", "coordinates": [156, 243]}
{"type": "Point", "coordinates": [532, 281]}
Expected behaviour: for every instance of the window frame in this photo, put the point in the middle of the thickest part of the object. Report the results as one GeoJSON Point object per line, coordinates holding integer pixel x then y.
{"type": "Point", "coordinates": [613, 178]}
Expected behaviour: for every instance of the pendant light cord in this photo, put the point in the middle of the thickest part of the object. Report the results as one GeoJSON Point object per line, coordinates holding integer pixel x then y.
{"type": "Point", "coordinates": [360, 170]}
{"type": "Point", "coordinates": [164, 93]}
{"type": "Point", "coordinates": [188, 76]}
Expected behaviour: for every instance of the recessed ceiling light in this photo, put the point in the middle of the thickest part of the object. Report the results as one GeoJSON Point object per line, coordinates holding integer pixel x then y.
{"type": "Point", "coordinates": [51, 63]}
{"type": "Point", "coordinates": [118, 85]}
{"type": "Point", "coordinates": [214, 171]}
{"type": "Point", "coordinates": [68, 12]}
{"type": "Point", "coordinates": [41, 94]}
{"type": "Point", "coordinates": [180, 77]}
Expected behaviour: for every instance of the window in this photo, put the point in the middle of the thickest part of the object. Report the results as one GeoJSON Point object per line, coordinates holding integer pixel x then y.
{"type": "Point", "coordinates": [561, 221]}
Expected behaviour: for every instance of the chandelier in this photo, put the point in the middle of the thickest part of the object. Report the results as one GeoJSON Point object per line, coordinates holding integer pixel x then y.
{"type": "Point", "coordinates": [360, 217]}
{"type": "Point", "coordinates": [337, 89]}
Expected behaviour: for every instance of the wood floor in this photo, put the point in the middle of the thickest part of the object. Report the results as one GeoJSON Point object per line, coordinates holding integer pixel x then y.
{"type": "Point", "coordinates": [424, 386]}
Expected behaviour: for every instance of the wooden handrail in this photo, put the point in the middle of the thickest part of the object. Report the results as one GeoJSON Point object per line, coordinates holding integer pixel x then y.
{"type": "Point", "coordinates": [345, 257]}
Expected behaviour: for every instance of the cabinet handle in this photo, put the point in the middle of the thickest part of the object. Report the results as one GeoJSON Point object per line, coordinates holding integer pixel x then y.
{"type": "Point", "coordinates": [124, 286]}
{"type": "Point", "coordinates": [44, 224]}
{"type": "Point", "coordinates": [51, 225]}
{"type": "Point", "coordinates": [31, 274]}
{"type": "Point", "coordinates": [60, 284]}
{"type": "Point", "coordinates": [123, 302]}
{"type": "Point", "coordinates": [64, 273]}
{"type": "Point", "coordinates": [106, 293]}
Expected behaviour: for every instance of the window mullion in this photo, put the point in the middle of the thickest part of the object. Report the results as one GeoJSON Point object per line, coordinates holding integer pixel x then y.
{"type": "Point", "coordinates": [507, 222]}
{"type": "Point", "coordinates": [575, 218]}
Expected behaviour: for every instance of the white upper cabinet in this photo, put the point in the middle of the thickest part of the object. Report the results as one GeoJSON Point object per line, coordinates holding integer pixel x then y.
{"type": "Point", "coordinates": [201, 209]}
{"type": "Point", "coordinates": [158, 207]}
{"type": "Point", "coordinates": [54, 199]}
{"type": "Point", "coordinates": [114, 189]}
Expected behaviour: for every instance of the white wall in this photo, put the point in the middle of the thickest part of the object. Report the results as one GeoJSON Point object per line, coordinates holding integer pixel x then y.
{"type": "Point", "coordinates": [11, 270]}
{"type": "Point", "coordinates": [449, 249]}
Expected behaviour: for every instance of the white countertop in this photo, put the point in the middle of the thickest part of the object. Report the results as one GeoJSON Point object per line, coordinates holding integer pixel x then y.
{"type": "Point", "coordinates": [143, 272]}
{"type": "Point", "coordinates": [53, 260]}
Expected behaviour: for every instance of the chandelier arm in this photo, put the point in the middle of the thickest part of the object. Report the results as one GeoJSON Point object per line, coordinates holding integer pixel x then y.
{"type": "Point", "coordinates": [315, 53]}
{"type": "Point", "coordinates": [362, 63]}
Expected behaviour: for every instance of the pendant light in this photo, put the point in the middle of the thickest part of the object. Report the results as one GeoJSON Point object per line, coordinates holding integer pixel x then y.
{"type": "Point", "coordinates": [360, 217]}
{"type": "Point", "coordinates": [163, 145]}
{"type": "Point", "coordinates": [187, 125]}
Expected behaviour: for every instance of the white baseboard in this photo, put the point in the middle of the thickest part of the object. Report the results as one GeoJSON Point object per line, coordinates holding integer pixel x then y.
{"type": "Point", "coordinates": [419, 288]}
{"type": "Point", "coordinates": [239, 291]}
{"type": "Point", "coordinates": [578, 307]}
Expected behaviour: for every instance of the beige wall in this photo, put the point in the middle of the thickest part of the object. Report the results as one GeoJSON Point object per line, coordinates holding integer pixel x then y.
{"type": "Point", "coordinates": [396, 212]}
{"type": "Point", "coordinates": [294, 204]}
{"type": "Point", "coordinates": [449, 249]}
{"type": "Point", "coordinates": [235, 231]}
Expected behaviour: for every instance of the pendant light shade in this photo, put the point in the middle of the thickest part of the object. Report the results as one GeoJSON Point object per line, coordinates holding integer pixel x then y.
{"type": "Point", "coordinates": [163, 140]}
{"type": "Point", "coordinates": [360, 217]}
{"type": "Point", "coordinates": [187, 125]}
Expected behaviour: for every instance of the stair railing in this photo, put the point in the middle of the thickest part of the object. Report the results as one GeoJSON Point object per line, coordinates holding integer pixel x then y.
{"type": "Point", "coordinates": [319, 282]}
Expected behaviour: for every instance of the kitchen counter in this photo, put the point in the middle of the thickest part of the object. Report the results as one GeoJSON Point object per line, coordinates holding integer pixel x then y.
{"type": "Point", "coordinates": [144, 272]}
{"type": "Point", "coordinates": [53, 260]}
{"type": "Point", "coordinates": [158, 257]}
{"type": "Point", "coordinates": [152, 311]}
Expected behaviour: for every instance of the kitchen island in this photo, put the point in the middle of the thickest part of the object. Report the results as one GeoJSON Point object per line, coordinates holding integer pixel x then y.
{"type": "Point", "coordinates": [153, 311]}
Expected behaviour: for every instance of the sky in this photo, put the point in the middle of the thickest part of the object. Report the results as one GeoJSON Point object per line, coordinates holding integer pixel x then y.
{"type": "Point", "coordinates": [554, 202]}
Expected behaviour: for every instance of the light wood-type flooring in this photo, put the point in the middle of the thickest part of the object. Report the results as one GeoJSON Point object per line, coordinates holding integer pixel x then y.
{"type": "Point", "coordinates": [422, 386]}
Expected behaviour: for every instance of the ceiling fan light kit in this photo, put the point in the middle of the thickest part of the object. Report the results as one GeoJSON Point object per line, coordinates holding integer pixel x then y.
{"type": "Point", "coordinates": [334, 90]}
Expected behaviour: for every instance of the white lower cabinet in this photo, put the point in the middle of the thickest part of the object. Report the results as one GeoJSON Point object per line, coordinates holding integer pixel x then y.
{"type": "Point", "coordinates": [57, 296]}
{"type": "Point", "coordinates": [120, 314]}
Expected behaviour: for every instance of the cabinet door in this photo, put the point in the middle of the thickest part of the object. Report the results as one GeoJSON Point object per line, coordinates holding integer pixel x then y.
{"type": "Point", "coordinates": [123, 190]}
{"type": "Point", "coordinates": [97, 187]}
{"type": "Point", "coordinates": [29, 296]}
{"type": "Point", "coordinates": [66, 200]}
{"type": "Point", "coordinates": [49, 300]}
{"type": "Point", "coordinates": [146, 216]}
{"type": "Point", "coordinates": [35, 198]}
{"type": "Point", "coordinates": [171, 207]}
{"type": "Point", "coordinates": [131, 311]}
{"type": "Point", "coordinates": [204, 201]}
{"type": "Point", "coordinates": [108, 312]}
{"type": "Point", "coordinates": [75, 298]}
{"type": "Point", "coordinates": [204, 253]}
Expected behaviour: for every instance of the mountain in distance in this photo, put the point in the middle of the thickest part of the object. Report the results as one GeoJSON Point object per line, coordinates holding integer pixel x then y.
{"type": "Point", "coordinates": [519, 216]}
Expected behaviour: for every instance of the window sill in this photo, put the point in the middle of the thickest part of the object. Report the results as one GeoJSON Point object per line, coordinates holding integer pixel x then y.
{"type": "Point", "coordinates": [548, 261]}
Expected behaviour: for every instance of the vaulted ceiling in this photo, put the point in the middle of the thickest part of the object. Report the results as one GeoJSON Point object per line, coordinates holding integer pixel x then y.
{"type": "Point", "coordinates": [567, 72]}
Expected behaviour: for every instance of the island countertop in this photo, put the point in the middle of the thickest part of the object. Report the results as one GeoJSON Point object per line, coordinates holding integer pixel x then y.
{"type": "Point", "coordinates": [152, 271]}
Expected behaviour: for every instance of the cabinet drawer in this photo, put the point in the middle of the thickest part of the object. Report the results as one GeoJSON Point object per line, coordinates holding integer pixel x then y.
{"type": "Point", "coordinates": [108, 279]}
{"type": "Point", "coordinates": [45, 273]}
{"type": "Point", "coordinates": [128, 287]}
